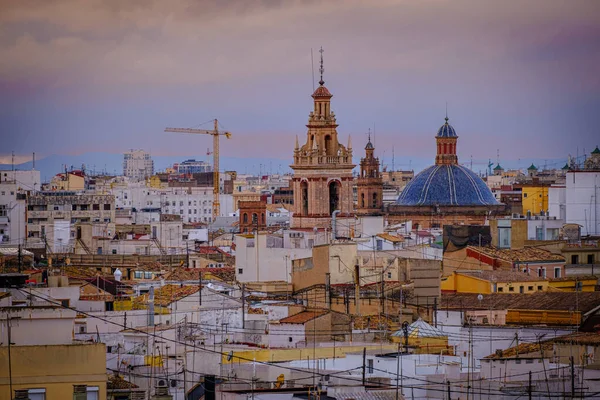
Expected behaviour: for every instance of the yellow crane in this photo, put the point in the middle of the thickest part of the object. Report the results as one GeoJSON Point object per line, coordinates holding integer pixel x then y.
{"type": "Point", "coordinates": [216, 209]}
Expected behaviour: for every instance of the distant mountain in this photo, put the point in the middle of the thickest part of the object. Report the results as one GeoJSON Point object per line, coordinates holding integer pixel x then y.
{"type": "Point", "coordinates": [111, 163]}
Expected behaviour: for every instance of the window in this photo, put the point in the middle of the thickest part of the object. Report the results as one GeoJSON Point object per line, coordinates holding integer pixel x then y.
{"type": "Point", "coordinates": [96, 207]}
{"type": "Point", "coordinates": [107, 207]}
{"type": "Point", "coordinates": [138, 274]}
{"type": "Point", "coordinates": [114, 251]}
{"type": "Point", "coordinates": [557, 272]}
{"type": "Point", "coordinates": [540, 287]}
{"type": "Point", "coordinates": [2, 210]}
{"type": "Point", "coordinates": [529, 361]}
{"type": "Point", "coordinates": [511, 289]}
{"type": "Point", "coordinates": [147, 275]}
{"type": "Point", "coordinates": [500, 289]}
{"type": "Point", "coordinates": [64, 303]}
{"type": "Point", "coordinates": [370, 365]}
{"type": "Point", "coordinates": [389, 275]}
{"type": "Point", "coordinates": [74, 207]}
{"type": "Point", "coordinates": [529, 288]}
{"type": "Point", "coordinates": [92, 393]}
{"type": "Point", "coordinates": [240, 271]}
{"type": "Point", "coordinates": [574, 259]}
{"type": "Point", "coordinates": [590, 258]}
{"type": "Point", "coordinates": [525, 195]}
{"type": "Point", "coordinates": [37, 394]}
{"type": "Point", "coordinates": [290, 339]}
{"type": "Point", "coordinates": [521, 289]}
{"type": "Point", "coordinates": [84, 207]}
{"type": "Point", "coordinates": [578, 286]}
{"type": "Point", "coordinates": [504, 238]}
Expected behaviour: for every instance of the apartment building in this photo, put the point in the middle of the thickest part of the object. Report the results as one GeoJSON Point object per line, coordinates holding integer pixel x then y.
{"type": "Point", "coordinates": [137, 164]}
{"type": "Point", "coordinates": [52, 217]}
{"type": "Point", "coordinates": [15, 186]}
{"type": "Point", "coordinates": [192, 204]}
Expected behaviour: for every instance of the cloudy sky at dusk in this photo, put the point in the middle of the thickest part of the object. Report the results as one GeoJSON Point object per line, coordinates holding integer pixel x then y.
{"type": "Point", "coordinates": [520, 77]}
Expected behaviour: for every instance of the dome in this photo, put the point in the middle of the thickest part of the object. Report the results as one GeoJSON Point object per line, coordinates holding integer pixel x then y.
{"type": "Point", "coordinates": [322, 91]}
{"type": "Point", "coordinates": [446, 185]}
{"type": "Point", "coordinates": [369, 145]}
{"type": "Point", "coordinates": [446, 130]}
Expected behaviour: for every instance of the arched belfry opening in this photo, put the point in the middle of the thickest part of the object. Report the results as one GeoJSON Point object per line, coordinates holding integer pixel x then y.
{"type": "Point", "coordinates": [304, 192]}
{"type": "Point", "coordinates": [334, 196]}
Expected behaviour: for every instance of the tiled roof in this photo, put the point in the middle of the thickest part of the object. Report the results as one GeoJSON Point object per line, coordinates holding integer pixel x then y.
{"type": "Point", "coordinates": [446, 185]}
{"type": "Point", "coordinates": [523, 349]}
{"type": "Point", "coordinates": [446, 130]}
{"type": "Point", "coordinates": [501, 276]}
{"type": "Point", "coordinates": [580, 338]}
{"type": "Point", "coordinates": [558, 301]}
{"type": "Point", "coordinates": [322, 91]}
{"type": "Point", "coordinates": [167, 294]}
{"type": "Point", "coordinates": [525, 254]}
{"type": "Point", "coordinates": [576, 338]}
{"type": "Point", "coordinates": [115, 382]}
{"type": "Point", "coordinates": [391, 238]}
{"type": "Point", "coordinates": [302, 317]}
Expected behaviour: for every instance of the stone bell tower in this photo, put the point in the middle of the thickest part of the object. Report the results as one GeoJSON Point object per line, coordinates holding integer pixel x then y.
{"type": "Point", "coordinates": [370, 184]}
{"type": "Point", "coordinates": [322, 167]}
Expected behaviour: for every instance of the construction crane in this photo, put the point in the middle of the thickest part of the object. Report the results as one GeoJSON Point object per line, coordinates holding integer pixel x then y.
{"type": "Point", "coordinates": [216, 208]}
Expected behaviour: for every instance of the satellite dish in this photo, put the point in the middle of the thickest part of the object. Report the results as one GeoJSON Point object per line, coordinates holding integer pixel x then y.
{"type": "Point", "coordinates": [480, 297]}
{"type": "Point", "coordinates": [230, 355]}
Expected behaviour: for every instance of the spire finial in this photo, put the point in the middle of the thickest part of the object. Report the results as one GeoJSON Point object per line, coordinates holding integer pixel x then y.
{"type": "Point", "coordinates": [369, 135]}
{"type": "Point", "coordinates": [321, 69]}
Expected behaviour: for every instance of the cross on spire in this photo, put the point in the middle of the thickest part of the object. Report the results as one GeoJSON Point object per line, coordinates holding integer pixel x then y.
{"type": "Point", "coordinates": [321, 69]}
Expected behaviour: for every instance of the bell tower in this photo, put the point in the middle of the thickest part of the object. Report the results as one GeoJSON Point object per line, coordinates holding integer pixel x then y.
{"type": "Point", "coordinates": [370, 183]}
{"type": "Point", "coordinates": [322, 167]}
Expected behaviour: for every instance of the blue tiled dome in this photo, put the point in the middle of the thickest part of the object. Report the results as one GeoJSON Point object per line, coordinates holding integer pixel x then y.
{"type": "Point", "coordinates": [446, 130]}
{"type": "Point", "coordinates": [446, 185]}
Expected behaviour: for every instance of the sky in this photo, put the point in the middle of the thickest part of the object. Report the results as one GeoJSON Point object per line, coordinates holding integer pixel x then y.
{"type": "Point", "coordinates": [520, 78]}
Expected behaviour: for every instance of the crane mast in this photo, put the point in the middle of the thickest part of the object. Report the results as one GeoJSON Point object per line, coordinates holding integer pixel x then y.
{"type": "Point", "coordinates": [216, 207]}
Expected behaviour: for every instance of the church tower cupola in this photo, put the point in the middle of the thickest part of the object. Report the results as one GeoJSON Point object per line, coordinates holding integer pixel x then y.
{"type": "Point", "coordinates": [446, 139]}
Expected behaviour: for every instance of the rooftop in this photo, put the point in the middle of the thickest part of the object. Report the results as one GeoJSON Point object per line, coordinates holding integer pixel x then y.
{"type": "Point", "coordinates": [302, 317]}
{"type": "Point", "coordinates": [167, 294]}
{"type": "Point", "coordinates": [557, 301]}
{"type": "Point", "coordinates": [501, 276]}
{"type": "Point", "coordinates": [576, 338]}
{"type": "Point", "coordinates": [525, 254]}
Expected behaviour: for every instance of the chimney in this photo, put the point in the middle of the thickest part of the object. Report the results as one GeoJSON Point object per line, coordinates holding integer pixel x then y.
{"type": "Point", "coordinates": [21, 394]}
{"type": "Point", "coordinates": [79, 392]}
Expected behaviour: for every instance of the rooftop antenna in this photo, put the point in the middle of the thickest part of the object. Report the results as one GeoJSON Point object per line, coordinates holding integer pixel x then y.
{"type": "Point", "coordinates": [321, 69]}
{"type": "Point", "coordinates": [393, 169]}
{"type": "Point", "coordinates": [312, 65]}
{"type": "Point", "coordinates": [471, 162]}
{"type": "Point", "coordinates": [498, 156]}
{"type": "Point", "coordinates": [13, 160]}
{"type": "Point", "coordinates": [33, 162]}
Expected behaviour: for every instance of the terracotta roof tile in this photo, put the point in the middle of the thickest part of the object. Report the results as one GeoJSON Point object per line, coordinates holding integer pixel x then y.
{"type": "Point", "coordinates": [531, 254]}
{"type": "Point", "coordinates": [302, 317]}
{"type": "Point", "coordinates": [501, 276]}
